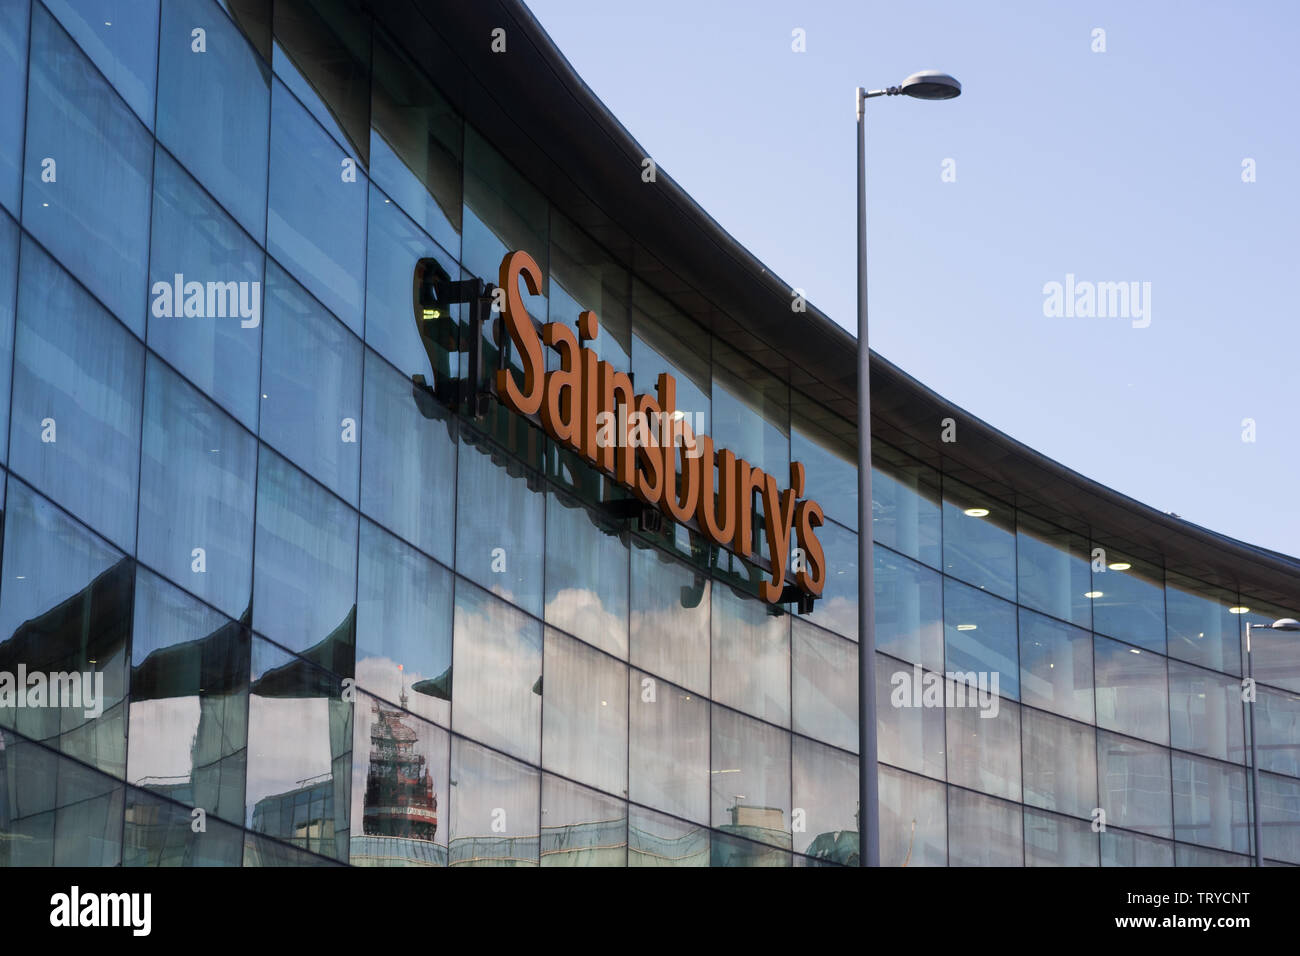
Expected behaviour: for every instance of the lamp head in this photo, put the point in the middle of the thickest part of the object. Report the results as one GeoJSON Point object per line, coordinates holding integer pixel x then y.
{"type": "Point", "coordinates": [931, 85]}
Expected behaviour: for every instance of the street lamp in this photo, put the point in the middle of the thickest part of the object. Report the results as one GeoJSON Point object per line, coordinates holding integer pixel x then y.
{"type": "Point", "coordinates": [926, 85]}
{"type": "Point", "coordinates": [1281, 624]}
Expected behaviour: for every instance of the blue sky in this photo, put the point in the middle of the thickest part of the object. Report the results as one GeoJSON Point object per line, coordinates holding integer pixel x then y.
{"type": "Point", "coordinates": [1115, 166]}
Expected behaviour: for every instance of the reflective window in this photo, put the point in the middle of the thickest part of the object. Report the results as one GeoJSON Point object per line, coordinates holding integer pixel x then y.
{"type": "Point", "coordinates": [584, 276]}
{"type": "Point", "coordinates": [826, 446]}
{"type": "Point", "coordinates": [1135, 784]}
{"type": "Point", "coordinates": [825, 787]}
{"type": "Point", "coordinates": [502, 213]}
{"type": "Point", "coordinates": [91, 207]}
{"type": "Point", "coordinates": [158, 832]}
{"type": "Point", "coordinates": [654, 839]}
{"type": "Point", "coordinates": [1056, 666]}
{"type": "Point", "coordinates": [1210, 804]}
{"type": "Point", "coordinates": [980, 636]}
{"type": "Point", "coordinates": [499, 523]}
{"type": "Point", "coordinates": [497, 684]}
{"type": "Point", "coordinates": [669, 622]}
{"type": "Point", "coordinates": [415, 145]}
{"type": "Point", "coordinates": [586, 575]}
{"type": "Point", "coordinates": [751, 413]}
{"type": "Point", "coordinates": [668, 765]}
{"type": "Point", "coordinates": [121, 38]}
{"type": "Point", "coordinates": [213, 107]}
{"type": "Point", "coordinates": [1051, 840]}
{"type": "Point", "coordinates": [1275, 660]}
{"type": "Point", "coordinates": [201, 323]}
{"type": "Point", "coordinates": [751, 779]}
{"type": "Point", "coordinates": [751, 656]}
{"type": "Point", "coordinates": [1132, 690]}
{"type": "Point", "coordinates": [65, 606]}
{"type": "Point", "coordinates": [824, 686]}
{"type": "Point", "coordinates": [1205, 713]}
{"type": "Point", "coordinates": [913, 820]}
{"type": "Point", "coordinates": [1054, 573]}
{"type": "Point", "coordinates": [665, 340]}
{"type": "Point", "coordinates": [189, 700]}
{"type": "Point", "coordinates": [299, 753]}
{"type": "Point", "coordinates": [908, 609]}
{"type": "Point", "coordinates": [1129, 600]}
{"type": "Point", "coordinates": [495, 808]}
{"type": "Point", "coordinates": [197, 473]}
{"type": "Point", "coordinates": [316, 221]}
{"type": "Point", "coordinates": [311, 386]}
{"type": "Point", "coordinates": [14, 15]}
{"type": "Point", "coordinates": [1277, 723]}
{"type": "Point", "coordinates": [1200, 856]}
{"type": "Point", "coordinates": [584, 717]}
{"type": "Point", "coordinates": [909, 717]}
{"type": "Point", "coordinates": [905, 505]}
{"type": "Point", "coordinates": [983, 831]}
{"type": "Point", "coordinates": [581, 827]}
{"type": "Point", "coordinates": [259, 851]}
{"type": "Point", "coordinates": [1201, 629]}
{"type": "Point", "coordinates": [1132, 849]}
{"type": "Point", "coordinates": [401, 787]}
{"type": "Point", "coordinates": [837, 608]}
{"type": "Point", "coordinates": [78, 375]}
{"type": "Point", "coordinates": [1060, 763]}
{"type": "Point", "coordinates": [1279, 816]}
{"type": "Point", "coordinates": [304, 585]}
{"type": "Point", "coordinates": [983, 742]}
{"type": "Point", "coordinates": [8, 303]}
{"type": "Point", "coordinates": [979, 539]}
{"type": "Point", "coordinates": [404, 616]}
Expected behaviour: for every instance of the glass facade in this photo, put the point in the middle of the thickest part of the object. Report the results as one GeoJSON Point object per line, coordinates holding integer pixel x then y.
{"type": "Point", "coordinates": [317, 596]}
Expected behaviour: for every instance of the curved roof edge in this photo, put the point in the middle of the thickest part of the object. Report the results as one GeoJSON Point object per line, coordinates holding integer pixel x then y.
{"type": "Point", "coordinates": [535, 108]}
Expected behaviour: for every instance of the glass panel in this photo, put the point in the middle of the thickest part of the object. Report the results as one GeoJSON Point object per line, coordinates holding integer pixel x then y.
{"type": "Point", "coordinates": [658, 840]}
{"type": "Point", "coordinates": [415, 145]}
{"type": "Point", "coordinates": [581, 827]}
{"type": "Point", "coordinates": [908, 609]}
{"type": "Point", "coordinates": [1210, 804]}
{"type": "Point", "coordinates": [497, 684]}
{"type": "Point", "coordinates": [311, 386]}
{"type": "Point", "coordinates": [837, 609]}
{"type": "Point", "coordinates": [1131, 849]}
{"type": "Point", "coordinates": [584, 720]}
{"type": "Point", "coordinates": [980, 636]}
{"type": "Point", "coordinates": [983, 831]}
{"type": "Point", "coordinates": [8, 301]}
{"type": "Point", "coordinates": [400, 783]}
{"type": "Point", "coordinates": [584, 276]}
{"type": "Point", "coordinates": [1205, 713]}
{"type": "Point", "coordinates": [1277, 723]}
{"type": "Point", "coordinates": [1275, 659]}
{"type": "Point", "coordinates": [979, 539]}
{"type": "Point", "coordinates": [189, 701]}
{"type": "Point", "coordinates": [825, 795]}
{"type": "Point", "coordinates": [78, 377]}
{"type": "Point", "coordinates": [1057, 841]}
{"type": "Point", "coordinates": [1132, 690]}
{"type": "Point", "coordinates": [668, 748]}
{"type": "Point", "coordinates": [305, 581]}
{"type": "Point", "coordinates": [909, 717]}
{"type": "Point", "coordinates": [670, 618]}
{"type": "Point", "coordinates": [14, 15]}
{"type": "Point", "coordinates": [259, 851]}
{"type": "Point", "coordinates": [299, 753]}
{"type": "Point", "coordinates": [158, 832]}
{"type": "Point", "coordinates": [751, 413]}
{"type": "Point", "coordinates": [316, 223]}
{"type": "Point", "coordinates": [751, 656]}
{"type": "Point", "coordinates": [1199, 856]}
{"type": "Point", "coordinates": [822, 442]}
{"type": "Point", "coordinates": [733, 851]}
{"type": "Point", "coordinates": [408, 461]}
{"type": "Point", "coordinates": [500, 521]}
{"type": "Point", "coordinates": [120, 37]}
{"type": "Point", "coordinates": [905, 505]}
{"type": "Point", "coordinates": [913, 820]}
{"type": "Point", "coordinates": [1054, 573]}
{"type": "Point", "coordinates": [983, 743]}
{"type": "Point", "coordinates": [1060, 763]}
{"type": "Point", "coordinates": [199, 251]}
{"type": "Point", "coordinates": [1129, 600]}
{"type": "Point", "coordinates": [586, 575]}
{"type": "Point", "coordinates": [213, 107]}
{"type": "Point", "coordinates": [494, 809]}
{"type": "Point", "coordinates": [665, 340]}
{"type": "Point", "coordinates": [1135, 785]}
{"type": "Point", "coordinates": [404, 615]}
{"type": "Point", "coordinates": [1201, 629]}
{"type": "Point", "coordinates": [1279, 816]}
{"type": "Point", "coordinates": [825, 686]}
{"type": "Point", "coordinates": [65, 613]}
{"type": "Point", "coordinates": [751, 779]}
{"type": "Point", "coordinates": [197, 476]}
{"type": "Point", "coordinates": [87, 171]}
{"type": "Point", "coordinates": [503, 213]}
{"type": "Point", "coordinates": [1056, 666]}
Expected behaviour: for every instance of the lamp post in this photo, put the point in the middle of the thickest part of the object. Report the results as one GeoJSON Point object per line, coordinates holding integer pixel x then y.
{"type": "Point", "coordinates": [1282, 624]}
{"type": "Point", "coordinates": [927, 85]}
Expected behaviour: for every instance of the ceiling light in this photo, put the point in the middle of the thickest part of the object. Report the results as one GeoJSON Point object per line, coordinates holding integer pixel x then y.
{"type": "Point", "coordinates": [1238, 610]}
{"type": "Point", "coordinates": [1119, 565]}
{"type": "Point", "coordinates": [976, 512]}
{"type": "Point", "coordinates": [1092, 594]}
{"type": "Point", "coordinates": [966, 627]}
